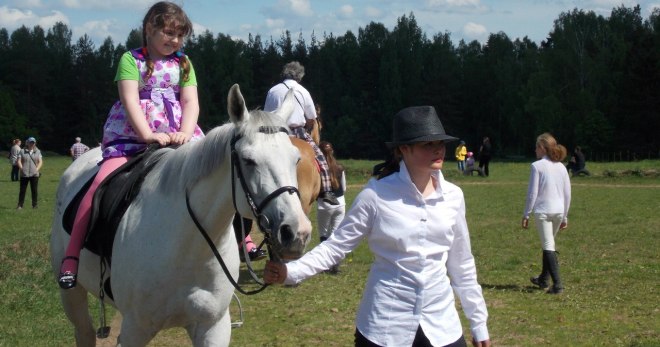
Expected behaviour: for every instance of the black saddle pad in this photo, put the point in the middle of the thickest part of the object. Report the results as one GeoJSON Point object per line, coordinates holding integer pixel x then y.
{"type": "Point", "coordinates": [111, 199]}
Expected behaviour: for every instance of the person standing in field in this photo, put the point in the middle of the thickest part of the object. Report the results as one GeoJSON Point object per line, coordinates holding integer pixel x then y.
{"type": "Point", "coordinates": [549, 198]}
{"type": "Point", "coordinates": [414, 223]}
{"type": "Point", "coordinates": [29, 165]}
{"type": "Point", "coordinates": [14, 152]}
{"type": "Point", "coordinates": [77, 149]}
{"type": "Point", "coordinates": [329, 216]}
{"type": "Point", "coordinates": [459, 154]}
{"type": "Point", "coordinates": [485, 152]}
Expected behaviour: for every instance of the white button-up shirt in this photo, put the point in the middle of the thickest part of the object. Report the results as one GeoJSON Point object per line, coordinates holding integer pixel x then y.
{"type": "Point", "coordinates": [419, 244]}
{"type": "Point", "coordinates": [549, 189]}
{"type": "Point", "coordinates": [304, 105]}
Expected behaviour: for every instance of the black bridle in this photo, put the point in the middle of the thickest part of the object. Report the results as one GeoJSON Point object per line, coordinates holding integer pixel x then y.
{"type": "Point", "coordinates": [262, 221]}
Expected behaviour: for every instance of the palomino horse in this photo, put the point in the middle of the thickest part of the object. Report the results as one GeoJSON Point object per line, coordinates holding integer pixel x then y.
{"type": "Point", "coordinates": [309, 179]}
{"type": "Point", "coordinates": [163, 271]}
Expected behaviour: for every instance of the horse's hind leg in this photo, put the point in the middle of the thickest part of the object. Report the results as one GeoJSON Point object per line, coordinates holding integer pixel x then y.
{"type": "Point", "coordinates": [76, 309]}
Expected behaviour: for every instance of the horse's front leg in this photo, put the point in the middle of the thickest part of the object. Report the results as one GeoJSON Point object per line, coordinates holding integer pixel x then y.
{"type": "Point", "coordinates": [132, 333]}
{"type": "Point", "coordinates": [77, 310]}
{"type": "Point", "coordinates": [207, 334]}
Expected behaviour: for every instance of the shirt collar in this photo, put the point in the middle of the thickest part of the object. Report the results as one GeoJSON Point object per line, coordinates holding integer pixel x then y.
{"type": "Point", "coordinates": [404, 175]}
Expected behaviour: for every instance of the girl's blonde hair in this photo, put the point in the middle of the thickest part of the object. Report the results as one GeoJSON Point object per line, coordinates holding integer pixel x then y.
{"type": "Point", "coordinates": [553, 150]}
{"type": "Point", "coordinates": [162, 15]}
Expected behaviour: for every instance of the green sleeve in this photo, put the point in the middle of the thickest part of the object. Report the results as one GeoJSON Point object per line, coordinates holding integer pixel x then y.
{"type": "Point", "coordinates": [127, 69]}
{"type": "Point", "coordinates": [192, 78]}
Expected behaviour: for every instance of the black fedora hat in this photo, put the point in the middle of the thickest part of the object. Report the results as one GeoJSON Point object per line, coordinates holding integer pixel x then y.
{"type": "Point", "coordinates": [417, 124]}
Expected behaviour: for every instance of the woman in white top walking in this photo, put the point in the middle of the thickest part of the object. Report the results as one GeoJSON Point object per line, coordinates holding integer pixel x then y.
{"type": "Point", "coordinates": [414, 222]}
{"type": "Point", "coordinates": [549, 198]}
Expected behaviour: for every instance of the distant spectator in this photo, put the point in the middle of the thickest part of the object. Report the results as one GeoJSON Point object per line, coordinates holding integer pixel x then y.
{"type": "Point", "coordinates": [485, 152]}
{"type": "Point", "coordinates": [29, 163]}
{"type": "Point", "coordinates": [576, 165]}
{"type": "Point", "coordinates": [13, 159]}
{"type": "Point", "coordinates": [78, 149]}
{"type": "Point", "coordinates": [460, 153]}
{"type": "Point", "coordinates": [469, 166]}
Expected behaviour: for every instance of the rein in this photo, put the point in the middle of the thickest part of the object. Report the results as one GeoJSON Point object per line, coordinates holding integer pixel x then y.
{"type": "Point", "coordinates": [262, 221]}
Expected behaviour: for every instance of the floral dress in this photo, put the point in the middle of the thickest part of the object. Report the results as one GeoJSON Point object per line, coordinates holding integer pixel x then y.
{"type": "Point", "coordinates": [159, 100]}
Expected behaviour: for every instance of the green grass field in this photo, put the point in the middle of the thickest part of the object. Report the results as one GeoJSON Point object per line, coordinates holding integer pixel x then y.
{"type": "Point", "coordinates": [609, 260]}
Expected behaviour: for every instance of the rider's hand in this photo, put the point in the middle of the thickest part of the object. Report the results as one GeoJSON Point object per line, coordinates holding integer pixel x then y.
{"type": "Point", "coordinates": [161, 138]}
{"type": "Point", "coordinates": [179, 138]}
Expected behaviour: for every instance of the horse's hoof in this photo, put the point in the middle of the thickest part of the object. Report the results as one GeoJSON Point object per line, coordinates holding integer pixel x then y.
{"type": "Point", "coordinates": [67, 280]}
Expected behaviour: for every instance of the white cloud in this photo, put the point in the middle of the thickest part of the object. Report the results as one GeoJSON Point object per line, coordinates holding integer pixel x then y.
{"type": "Point", "coordinates": [475, 31]}
{"type": "Point", "coordinates": [96, 28]}
{"type": "Point", "coordinates": [48, 21]}
{"type": "Point", "coordinates": [274, 23]}
{"type": "Point", "coordinates": [12, 18]}
{"type": "Point", "coordinates": [346, 11]}
{"type": "Point", "coordinates": [458, 6]}
{"type": "Point", "coordinates": [198, 28]}
{"type": "Point", "coordinates": [300, 7]}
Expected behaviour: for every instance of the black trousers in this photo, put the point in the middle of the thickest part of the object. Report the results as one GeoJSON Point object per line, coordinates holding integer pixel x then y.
{"type": "Point", "coordinates": [420, 340]}
{"type": "Point", "coordinates": [34, 186]}
{"type": "Point", "coordinates": [14, 173]}
{"type": "Point", "coordinates": [483, 164]}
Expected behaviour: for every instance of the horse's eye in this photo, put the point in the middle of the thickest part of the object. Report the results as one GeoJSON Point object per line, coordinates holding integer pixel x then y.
{"type": "Point", "coordinates": [249, 162]}
{"type": "Point", "coordinates": [298, 161]}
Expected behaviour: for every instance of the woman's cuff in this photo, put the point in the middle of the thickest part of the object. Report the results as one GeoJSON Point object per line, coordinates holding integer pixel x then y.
{"type": "Point", "coordinates": [480, 333]}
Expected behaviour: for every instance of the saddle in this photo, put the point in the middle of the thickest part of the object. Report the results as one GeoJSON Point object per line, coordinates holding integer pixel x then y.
{"type": "Point", "coordinates": [111, 200]}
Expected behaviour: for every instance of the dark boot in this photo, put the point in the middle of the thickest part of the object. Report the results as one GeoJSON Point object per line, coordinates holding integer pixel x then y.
{"type": "Point", "coordinates": [553, 268]}
{"type": "Point", "coordinates": [542, 280]}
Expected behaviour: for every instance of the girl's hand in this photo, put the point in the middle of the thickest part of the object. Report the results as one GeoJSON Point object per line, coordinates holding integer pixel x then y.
{"type": "Point", "coordinates": [525, 223]}
{"type": "Point", "coordinates": [563, 225]}
{"type": "Point", "coordinates": [274, 272]}
{"type": "Point", "coordinates": [485, 343]}
{"type": "Point", "coordinates": [179, 138]}
{"type": "Point", "coordinates": [162, 139]}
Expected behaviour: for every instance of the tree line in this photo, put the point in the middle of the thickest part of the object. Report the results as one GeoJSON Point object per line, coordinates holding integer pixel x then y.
{"type": "Point", "coordinates": [593, 82]}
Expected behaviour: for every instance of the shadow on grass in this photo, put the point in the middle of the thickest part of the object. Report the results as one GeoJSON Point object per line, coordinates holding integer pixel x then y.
{"type": "Point", "coordinates": [511, 287]}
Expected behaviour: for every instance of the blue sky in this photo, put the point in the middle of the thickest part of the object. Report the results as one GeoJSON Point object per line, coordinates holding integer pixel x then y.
{"type": "Point", "coordinates": [463, 19]}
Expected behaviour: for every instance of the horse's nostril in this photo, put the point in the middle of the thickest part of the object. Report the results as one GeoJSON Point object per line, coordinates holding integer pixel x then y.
{"type": "Point", "coordinates": [286, 235]}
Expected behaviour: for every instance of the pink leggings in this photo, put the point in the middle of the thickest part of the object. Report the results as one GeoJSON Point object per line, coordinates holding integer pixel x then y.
{"type": "Point", "coordinates": [83, 215]}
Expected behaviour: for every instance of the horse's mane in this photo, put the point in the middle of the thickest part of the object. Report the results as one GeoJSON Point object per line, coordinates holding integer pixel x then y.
{"type": "Point", "coordinates": [195, 160]}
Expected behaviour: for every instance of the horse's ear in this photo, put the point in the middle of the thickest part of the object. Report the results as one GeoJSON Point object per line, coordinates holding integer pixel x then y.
{"type": "Point", "coordinates": [286, 109]}
{"type": "Point", "coordinates": [236, 108]}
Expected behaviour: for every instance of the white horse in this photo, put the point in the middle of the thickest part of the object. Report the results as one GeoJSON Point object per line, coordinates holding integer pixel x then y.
{"type": "Point", "coordinates": [163, 272]}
